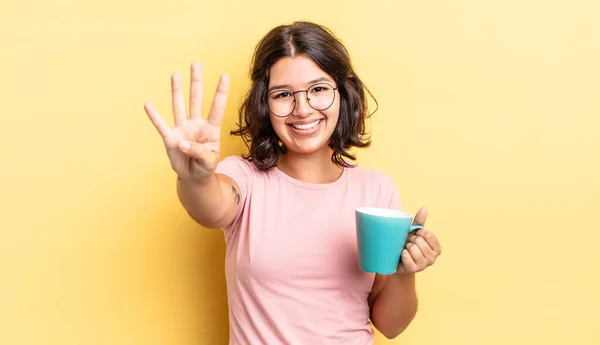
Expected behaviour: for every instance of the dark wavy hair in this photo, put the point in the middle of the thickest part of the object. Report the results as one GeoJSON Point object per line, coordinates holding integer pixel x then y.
{"type": "Point", "coordinates": [319, 44]}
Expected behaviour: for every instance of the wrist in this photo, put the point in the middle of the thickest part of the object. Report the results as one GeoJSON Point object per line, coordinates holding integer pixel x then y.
{"type": "Point", "coordinates": [194, 182]}
{"type": "Point", "coordinates": [403, 277]}
{"type": "Point", "coordinates": [401, 282]}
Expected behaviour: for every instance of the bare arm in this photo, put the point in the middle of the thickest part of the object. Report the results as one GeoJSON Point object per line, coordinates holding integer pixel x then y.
{"type": "Point", "coordinates": [393, 300]}
{"type": "Point", "coordinates": [393, 304]}
{"type": "Point", "coordinates": [193, 146]}
{"type": "Point", "coordinates": [213, 203]}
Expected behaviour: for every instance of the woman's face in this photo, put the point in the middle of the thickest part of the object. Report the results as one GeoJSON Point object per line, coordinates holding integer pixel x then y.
{"type": "Point", "coordinates": [307, 129]}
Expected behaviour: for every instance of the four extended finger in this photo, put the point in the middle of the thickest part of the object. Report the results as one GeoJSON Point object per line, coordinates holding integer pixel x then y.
{"type": "Point", "coordinates": [177, 99]}
{"type": "Point", "coordinates": [157, 120]}
{"type": "Point", "coordinates": [196, 91]}
{"type": "Point", "coordinates": [215, 116]}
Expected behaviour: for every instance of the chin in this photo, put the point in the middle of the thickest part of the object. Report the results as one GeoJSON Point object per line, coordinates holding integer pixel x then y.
{"type": "Point", "coordinates": [307, 147]}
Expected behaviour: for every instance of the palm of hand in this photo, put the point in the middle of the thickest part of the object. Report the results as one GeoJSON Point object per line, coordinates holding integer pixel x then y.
{"type": "Point", "coordinates": [193, 143]}
{"type": "Point", "coordinates": [196, 131]}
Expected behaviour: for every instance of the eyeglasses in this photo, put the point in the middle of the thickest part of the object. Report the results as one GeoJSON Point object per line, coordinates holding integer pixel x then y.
{"type": "Point", "coordinates": [319, 96]}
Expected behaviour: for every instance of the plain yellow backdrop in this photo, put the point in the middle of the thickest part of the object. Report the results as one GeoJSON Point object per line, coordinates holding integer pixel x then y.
{"type": "Point", "coordinates": [489, 114]}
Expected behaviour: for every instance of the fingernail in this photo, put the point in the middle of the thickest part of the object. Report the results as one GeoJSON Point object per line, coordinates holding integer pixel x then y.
{"type": "Point", "coordinates": [184, 145]}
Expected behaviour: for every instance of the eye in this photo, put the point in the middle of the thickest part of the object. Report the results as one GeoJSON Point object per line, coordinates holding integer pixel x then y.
{"type": "Point", "coordinates": [281, 94]}
{"type": "Point", "coordinates": [319, 88]}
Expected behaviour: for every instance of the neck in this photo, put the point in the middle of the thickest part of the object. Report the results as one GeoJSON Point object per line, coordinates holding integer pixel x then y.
{"type": "Point", "coordinates": [316, 167]}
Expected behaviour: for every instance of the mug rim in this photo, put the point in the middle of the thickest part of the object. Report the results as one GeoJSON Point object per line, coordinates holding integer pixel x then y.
{"type": "Point", "coordinates": [383, 212]}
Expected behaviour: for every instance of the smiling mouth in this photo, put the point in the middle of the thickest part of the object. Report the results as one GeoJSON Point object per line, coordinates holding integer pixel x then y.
{"type": "Point", "coordinates": [307, 126]}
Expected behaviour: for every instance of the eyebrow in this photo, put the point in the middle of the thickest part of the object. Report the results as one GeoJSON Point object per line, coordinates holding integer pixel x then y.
{"type": "Point", "coordinates": [287, 87]}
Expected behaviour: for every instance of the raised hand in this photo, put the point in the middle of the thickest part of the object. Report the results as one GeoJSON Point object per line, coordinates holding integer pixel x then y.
{"type": "Point", "coordinates": [193, 143]}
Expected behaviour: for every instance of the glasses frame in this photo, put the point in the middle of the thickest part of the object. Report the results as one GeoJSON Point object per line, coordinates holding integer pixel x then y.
{"type": "Point", "coordinates": [307, 99]}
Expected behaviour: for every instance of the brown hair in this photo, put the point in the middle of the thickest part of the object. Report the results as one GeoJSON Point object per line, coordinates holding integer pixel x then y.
{"type": "Point", "coordinates": [319, 44]}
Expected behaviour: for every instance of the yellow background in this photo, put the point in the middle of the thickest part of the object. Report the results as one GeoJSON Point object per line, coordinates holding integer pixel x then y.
{"type": "Point", "coordinates": [489, 115]}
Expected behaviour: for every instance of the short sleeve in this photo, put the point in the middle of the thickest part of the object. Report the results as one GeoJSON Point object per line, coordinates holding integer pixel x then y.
{"type": "Point", "coordinates": [393, 196]}
{"type": "Point", "coordinates": [240, 171]}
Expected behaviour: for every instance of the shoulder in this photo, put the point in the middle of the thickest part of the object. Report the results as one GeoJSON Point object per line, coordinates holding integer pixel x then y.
{"type": "Point", "coordinates": [241, 170]}
{"type": "Point", "coordinates": [372, 176]}
{"type": "Point", "coordinates": [379, 188]}
{"type": "Point", "coordinates": [237, 162]}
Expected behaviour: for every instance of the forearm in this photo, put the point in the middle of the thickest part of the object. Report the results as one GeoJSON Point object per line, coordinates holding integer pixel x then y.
{"type": "Point", "coordinates": [205, 201]}
{"type": "Point", "coordinates": [396, 305]}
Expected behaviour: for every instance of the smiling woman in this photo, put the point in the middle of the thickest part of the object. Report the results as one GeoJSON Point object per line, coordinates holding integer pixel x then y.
{"type": "Point", "coordinates": [295, 59]}
{"type": "Point", "coordinates": [309, 120]}
{"type": "Point", "coordinates": [287, 207]}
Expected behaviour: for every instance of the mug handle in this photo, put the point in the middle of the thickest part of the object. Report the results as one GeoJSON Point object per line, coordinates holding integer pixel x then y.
{"type": "Point", "coordinates": [415, 227]}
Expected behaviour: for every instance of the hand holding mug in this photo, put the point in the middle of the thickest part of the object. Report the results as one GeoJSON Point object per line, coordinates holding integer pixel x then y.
{"type": "Point", "coordinates": [422, 247]}
{"type": "Point", "coordinates": [389, 244]}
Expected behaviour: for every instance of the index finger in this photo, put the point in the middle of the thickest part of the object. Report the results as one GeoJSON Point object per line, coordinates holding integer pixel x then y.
{"type": "Point", "coordinates": [157, 120]}
{"type": "Point", "coordinates": [215, 116]}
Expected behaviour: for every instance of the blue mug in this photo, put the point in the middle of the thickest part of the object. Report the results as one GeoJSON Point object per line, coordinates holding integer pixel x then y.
{"type": "Point", "coordinates": [381, 235]}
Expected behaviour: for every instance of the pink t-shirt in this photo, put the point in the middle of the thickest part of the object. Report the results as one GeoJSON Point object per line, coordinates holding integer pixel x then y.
{"type": "Point", "coordinates": [292, 262]}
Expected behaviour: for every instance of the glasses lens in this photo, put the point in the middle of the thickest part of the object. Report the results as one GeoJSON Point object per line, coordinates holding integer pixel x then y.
{"type": "Point", "coordinates": [281, 102]}
{"type": "Point", "coordinates": [321, 96]}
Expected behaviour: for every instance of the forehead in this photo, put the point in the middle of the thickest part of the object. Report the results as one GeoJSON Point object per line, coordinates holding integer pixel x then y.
{"type": "Point", "coordinates": [295, 72]}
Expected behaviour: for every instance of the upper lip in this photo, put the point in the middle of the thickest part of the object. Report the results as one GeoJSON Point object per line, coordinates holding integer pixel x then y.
{"type": "Point", "coordinates": [303, 122]}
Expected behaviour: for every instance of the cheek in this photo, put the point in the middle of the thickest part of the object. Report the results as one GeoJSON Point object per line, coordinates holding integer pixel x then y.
{"type": "Point", "coordinates": [336, 106]}
{"type": "Point", "coordinates": [333, 114]}
{"type": "Point", "coordinates": [278, 124]}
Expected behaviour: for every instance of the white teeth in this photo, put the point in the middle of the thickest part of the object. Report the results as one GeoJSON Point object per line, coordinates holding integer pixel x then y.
{"type": "Point", "coordinates": [307, 126]}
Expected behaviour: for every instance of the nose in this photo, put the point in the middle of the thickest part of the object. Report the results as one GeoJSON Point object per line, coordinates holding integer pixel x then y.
{"type": "Point", "coordinates": [303, 108]}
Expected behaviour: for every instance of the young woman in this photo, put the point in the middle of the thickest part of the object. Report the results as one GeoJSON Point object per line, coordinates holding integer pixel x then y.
{"type": "Point", "coordinates": [287, 208]}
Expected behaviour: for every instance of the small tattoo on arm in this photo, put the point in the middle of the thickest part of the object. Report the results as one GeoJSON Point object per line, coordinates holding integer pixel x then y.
{"type": "Point", "coordinates": [236, 195]}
